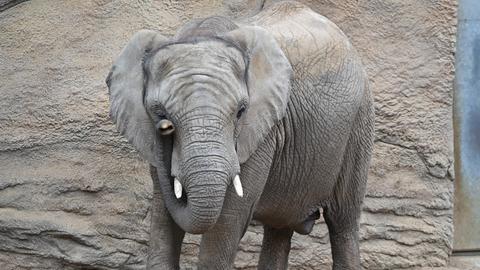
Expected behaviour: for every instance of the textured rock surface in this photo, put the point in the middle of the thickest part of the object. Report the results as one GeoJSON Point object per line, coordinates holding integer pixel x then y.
{"type": "Point", "coordinates": [74, 195]}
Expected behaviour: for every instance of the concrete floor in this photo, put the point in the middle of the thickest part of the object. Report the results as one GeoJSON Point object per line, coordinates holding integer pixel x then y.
{"type": "Point", "coordinates": [459, 263]}
{"type": "Point", "coordinates": [462, 263]}
{"type": "Point", "coordinates": [465, 262]}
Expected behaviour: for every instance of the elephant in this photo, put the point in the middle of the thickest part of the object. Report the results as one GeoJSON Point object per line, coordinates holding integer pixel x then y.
{"type": "Point", "coordinates": [267, 118]}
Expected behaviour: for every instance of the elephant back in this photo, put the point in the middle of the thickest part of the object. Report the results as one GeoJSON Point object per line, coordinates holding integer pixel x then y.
{"type": "Point", "coordinates": [307, 38]}
{"type": "Point", "coordinates": [206, 27]}
{"type": "Point", "coordinates": [324, 62]}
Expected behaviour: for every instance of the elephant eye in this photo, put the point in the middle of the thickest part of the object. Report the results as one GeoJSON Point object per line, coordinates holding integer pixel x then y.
{"type": "Point", "coordinates": [165, 127]}
{"type": "Point", "coordinates": [240, 112]}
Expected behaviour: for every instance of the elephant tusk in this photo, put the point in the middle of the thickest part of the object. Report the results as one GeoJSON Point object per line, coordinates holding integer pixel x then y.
{"type": "Point", "coordinates": [238, 185]}
{"type": "Point", "coordinates": [177, 188]}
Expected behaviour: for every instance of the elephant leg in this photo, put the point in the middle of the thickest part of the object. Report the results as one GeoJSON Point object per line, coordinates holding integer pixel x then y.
{"type": "Point", "coordinates": [344, 243]}
{"type": "Point", "coordinates": [219, 245]}
{"type": "Point", "coordinates": [165, 235]}
{"type": "Point", "coordinates": [275, 248]}
{"type": "Point", "coordinates": [342, 213]}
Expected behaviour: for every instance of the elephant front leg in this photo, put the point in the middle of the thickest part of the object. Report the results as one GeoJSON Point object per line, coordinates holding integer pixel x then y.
{"type": "Point", "coordinates": [165, 235]}
{"type": "Point", "coordinates": [219, 245]}
{"type": "Point", "coordinates": [275, 248]}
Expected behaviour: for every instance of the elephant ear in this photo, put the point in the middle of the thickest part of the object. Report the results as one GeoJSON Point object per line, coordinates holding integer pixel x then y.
{"type": "Point", "coordinates": [125, 83]}
{"type": "Point", "coordinates": [268, 82]}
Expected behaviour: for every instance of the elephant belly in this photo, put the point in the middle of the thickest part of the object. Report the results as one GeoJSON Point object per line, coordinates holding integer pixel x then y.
{"type": "Point", "coordinates": [291, 199]}
{"type": "Point", "coordinates": [303, 177]}
{"type": "Point", "coordinates": [305, 170]}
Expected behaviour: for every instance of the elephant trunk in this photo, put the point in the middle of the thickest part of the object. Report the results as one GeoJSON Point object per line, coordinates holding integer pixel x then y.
{"type": "Point", "coordinates": [199, 211]}
{"type": "Point", "coordinates": [205, 200]}
{"type": "Point", "coordinates": [205, 173]}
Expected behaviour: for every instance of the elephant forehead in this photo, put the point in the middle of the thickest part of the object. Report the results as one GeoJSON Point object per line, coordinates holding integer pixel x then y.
{"type": "Point", "coordinates": [212, 56]}
{"type": "Point", "coordinates": [195, 92]}
{"type": "Point", "coordinates": [197, 75]}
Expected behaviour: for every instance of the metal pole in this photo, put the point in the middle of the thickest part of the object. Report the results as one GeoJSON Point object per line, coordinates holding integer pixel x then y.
{"type": "Point", "coordinates": [467, 128]}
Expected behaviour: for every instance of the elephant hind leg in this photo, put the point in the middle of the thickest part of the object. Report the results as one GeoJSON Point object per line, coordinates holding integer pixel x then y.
{"type": "Point", "coordinates": [344, 243]}
{"type": "Point", "coordinates": [275, 248]}
{"type": "Point", "coordinates": [342, 213]}
{"type": "Point", "coordinates": [342, 217]}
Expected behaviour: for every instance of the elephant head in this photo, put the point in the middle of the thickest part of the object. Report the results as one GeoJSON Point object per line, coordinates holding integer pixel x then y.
{"type": "Point", "coordinates": [196, 108]}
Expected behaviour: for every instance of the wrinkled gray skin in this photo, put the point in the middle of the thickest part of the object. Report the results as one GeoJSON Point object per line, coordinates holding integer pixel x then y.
{"type": "Point", "coordinates": [302, 143]}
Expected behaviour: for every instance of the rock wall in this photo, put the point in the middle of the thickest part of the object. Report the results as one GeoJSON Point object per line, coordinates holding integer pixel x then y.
{"type": "Point", "coordinates": [75, 195]}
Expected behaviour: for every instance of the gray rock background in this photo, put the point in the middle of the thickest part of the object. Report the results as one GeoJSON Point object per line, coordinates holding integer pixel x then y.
{"type": "Point", "coordinates": [75, 195]}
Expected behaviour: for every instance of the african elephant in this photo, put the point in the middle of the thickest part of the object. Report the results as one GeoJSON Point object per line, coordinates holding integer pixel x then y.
{"type": "Point", "coordinates": [269, 118]}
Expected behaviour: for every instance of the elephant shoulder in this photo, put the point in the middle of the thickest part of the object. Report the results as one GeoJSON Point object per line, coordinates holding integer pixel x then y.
{"type": "Point", "coordinates": [302, 33]}
{"type": "Point", "coordinates": [318, 51]}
